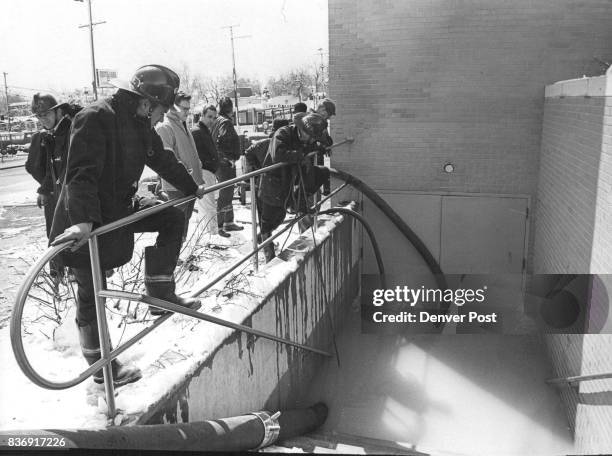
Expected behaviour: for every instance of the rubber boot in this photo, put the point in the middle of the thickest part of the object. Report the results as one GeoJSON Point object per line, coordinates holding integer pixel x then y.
{"type": "Point", "coordinates": [90, 346]}
{"type": "Point", "coordinates": [159, 279]}
{"type": "Point", "coordinates": [268, 249]}
{"type": "Point", "coordinates": [232, 227]}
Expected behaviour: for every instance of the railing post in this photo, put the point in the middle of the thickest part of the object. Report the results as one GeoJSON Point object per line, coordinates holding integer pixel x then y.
{"type": "Point", "coordinates": [96, 272]}
{"type": "Point", "coordinates": [254, 222]}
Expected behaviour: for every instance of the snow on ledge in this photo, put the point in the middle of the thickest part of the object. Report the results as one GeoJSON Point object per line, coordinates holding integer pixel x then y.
{"type": "Point", "coordinates": [167, 357]}
{"type": "Point", "coordinates": [598, 86]}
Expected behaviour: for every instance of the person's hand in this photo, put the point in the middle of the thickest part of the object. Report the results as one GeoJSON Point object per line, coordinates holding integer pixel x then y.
{"type": "Point", "coordinates": [78, 233]}
{"type": "Point", "coordinates": [42, 200]}
{"type": "Point", "coordinates": [200, 191]}
{"type": "Point", "coordinates": [163, 196]}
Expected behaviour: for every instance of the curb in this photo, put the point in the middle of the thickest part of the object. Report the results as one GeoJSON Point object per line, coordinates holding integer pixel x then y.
{"type": "Point", "coordinates": [11, 167]}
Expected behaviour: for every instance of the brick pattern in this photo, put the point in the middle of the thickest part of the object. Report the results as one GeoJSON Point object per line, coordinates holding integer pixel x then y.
{"type": "Point", "coordinates": [424, 82]}
{"type": "Point", "coordinates": [566, 207]}
{"type": "Point", "coordinates": [573, 235]}
{"type": "Point", "coordinates": [420, 83]}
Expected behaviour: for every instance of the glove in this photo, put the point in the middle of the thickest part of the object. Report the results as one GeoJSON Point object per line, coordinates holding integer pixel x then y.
{"type": "Point", "coordinates": [143, 202]}
{"type": "Point", "coordinates": [42, 200]}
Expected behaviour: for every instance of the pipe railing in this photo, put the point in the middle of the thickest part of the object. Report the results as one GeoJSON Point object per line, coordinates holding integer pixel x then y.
{"type": "Point", "coordinates": [107, 354]}
{"type": "Point", "coordinates": [571, 380]}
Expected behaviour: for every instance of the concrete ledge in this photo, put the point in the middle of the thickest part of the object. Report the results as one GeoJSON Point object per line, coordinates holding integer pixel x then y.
{"type": "Point", "coordinates": [598, 86]}
{"type": "Point", "coordinates": [244, 373]}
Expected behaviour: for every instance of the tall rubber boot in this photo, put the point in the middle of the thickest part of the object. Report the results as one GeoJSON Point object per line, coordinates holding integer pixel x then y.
{"type": "Point", "coordinates": [159, 278]}
{"type": "Point", "coordinates": [268, 250]}
{"type": "Point", "coordinates": [90, 346]}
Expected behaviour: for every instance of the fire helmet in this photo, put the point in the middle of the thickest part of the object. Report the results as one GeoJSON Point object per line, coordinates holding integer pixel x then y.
{"type": "Point", "coordinates": [43, 103]}
{"type": "Point", "coordinates": [156, 83]}
{"type": "Point", "coordinates": [313, 124]}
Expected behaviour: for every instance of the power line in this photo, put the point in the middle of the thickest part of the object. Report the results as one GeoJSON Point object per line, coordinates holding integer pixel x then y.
{"type": "Point", "coordinates": [231, 27]}
{"type": "Point", "coordinates": [90, 25]}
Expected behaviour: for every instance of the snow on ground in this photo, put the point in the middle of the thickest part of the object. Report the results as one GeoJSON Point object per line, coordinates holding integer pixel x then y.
{"type": "Point", "coordinates": [166, 356]}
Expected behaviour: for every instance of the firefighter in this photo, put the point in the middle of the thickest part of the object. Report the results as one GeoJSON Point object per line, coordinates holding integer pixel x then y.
{"type": "Point", "coordinates": [47, 156]}
{"type": "Point", "coordinates": [284, 188]}
{"type": "Point", "coordinates": [111, 142]}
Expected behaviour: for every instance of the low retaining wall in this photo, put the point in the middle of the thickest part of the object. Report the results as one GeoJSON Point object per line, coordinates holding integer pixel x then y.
{"type": "Point", "coordinates": [246, 373]}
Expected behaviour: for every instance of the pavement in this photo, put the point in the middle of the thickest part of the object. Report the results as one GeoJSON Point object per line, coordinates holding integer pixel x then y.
{"type": "Point", "coordinates": [443, 394]}
{"type": "Point", "coordinates": [11, 161]}
{"type": "Point", "coordinates": [16, 185]}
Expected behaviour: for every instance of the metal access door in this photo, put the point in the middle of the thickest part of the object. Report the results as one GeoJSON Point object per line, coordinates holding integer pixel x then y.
{"type": "Point", "coordinates": [466, 233]}
{"type": "Point", "coordinates": [483, 234]}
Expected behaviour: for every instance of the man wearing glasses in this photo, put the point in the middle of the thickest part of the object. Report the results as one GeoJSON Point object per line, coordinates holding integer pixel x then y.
{"type": "Point", "coordinates": [178, 139]}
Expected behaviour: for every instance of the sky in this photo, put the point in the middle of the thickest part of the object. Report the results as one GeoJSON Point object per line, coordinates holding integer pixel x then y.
{"type": "Point", "coordinates": [46, 49]}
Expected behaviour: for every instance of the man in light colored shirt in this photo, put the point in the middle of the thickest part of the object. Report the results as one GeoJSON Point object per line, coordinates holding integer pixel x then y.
{"type": "Point", "coordinates": [177, 138]}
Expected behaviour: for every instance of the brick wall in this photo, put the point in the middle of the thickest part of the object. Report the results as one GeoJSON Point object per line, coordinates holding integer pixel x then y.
{"type": "Point", "coordinates": [573, 234]}
{"type": "Point", "coordinates": [568, 185]}
{"type": "Point", "coordinates": [423, 82]}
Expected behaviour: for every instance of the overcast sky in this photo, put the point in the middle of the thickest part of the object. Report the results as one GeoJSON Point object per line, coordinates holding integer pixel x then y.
{"type": "Point", "coordinates": [41, 46]}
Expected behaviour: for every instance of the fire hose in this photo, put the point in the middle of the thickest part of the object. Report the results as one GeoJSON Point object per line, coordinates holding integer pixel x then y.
{"type": "Point", "coordinates": [239, 433]}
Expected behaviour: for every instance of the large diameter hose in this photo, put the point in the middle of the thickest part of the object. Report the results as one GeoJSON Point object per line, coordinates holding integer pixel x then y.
{"type": "Point", "coordinates": [368, 228]}
{"type": "Point", "coordinates": [239, 433]}
{"type": "Point", "coordinates": [393, 216]}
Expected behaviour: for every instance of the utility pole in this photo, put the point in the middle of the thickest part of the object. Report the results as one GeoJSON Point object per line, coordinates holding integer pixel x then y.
{"type": "Point", "coordinates": [231, 27]}
{"type": "Point", "coordinates": [91, 44]}
{"type": "Point", "coordinates": [322, 70]}
{"type": "Point", "coordinates": [8, 109]}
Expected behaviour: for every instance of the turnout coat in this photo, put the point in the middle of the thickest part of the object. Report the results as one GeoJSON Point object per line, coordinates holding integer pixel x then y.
{"type": "Point", "coordinates": [277, 185]}
{"type": "Point", "coordinates": [285, 147]}
{"type": "Point", "coordinates": [47, 157]}
{"type": "Point", "coordinates": [109, 148]}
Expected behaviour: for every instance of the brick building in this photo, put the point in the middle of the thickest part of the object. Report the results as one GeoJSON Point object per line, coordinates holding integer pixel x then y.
{"type": "Point", "coordinates": [424, 84]}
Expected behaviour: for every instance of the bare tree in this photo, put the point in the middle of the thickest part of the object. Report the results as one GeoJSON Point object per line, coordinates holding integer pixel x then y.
{"type": "Point", "coordinates": [297, 81]}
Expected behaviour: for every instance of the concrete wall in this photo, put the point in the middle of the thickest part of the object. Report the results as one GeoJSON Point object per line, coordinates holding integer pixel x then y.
{"type": "Point", "coordinates": [247, 373]}
{"type": "Point", "coordinates": [420, 83]}
{"type": "Point", "coordinates": [573, 235]}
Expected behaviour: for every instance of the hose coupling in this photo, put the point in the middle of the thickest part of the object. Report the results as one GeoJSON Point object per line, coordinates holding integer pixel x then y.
{"type": "Point", "coordinates": [271, 428]}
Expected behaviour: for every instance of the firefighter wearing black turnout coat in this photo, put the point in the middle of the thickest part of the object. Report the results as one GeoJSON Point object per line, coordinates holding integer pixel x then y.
{"type": "Point", "coordinates": [111, 142]}
{"type": "Point", "coordinates": [281, 188]}
{"type": "Point", "coordinates": [47, 157]}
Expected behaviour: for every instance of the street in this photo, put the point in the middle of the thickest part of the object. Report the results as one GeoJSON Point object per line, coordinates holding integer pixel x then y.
{"type": "Point", "coordinates": [17, 187]}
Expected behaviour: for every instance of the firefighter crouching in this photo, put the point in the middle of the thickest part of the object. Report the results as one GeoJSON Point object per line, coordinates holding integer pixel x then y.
{"type": "Point", "coordinates": [111, 142]}
{"type": "Point", "coordinates": [286, 187]}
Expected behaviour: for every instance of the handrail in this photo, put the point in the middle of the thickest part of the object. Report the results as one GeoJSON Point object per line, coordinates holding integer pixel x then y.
{"type": "Point", "coordinates": [578, 378]}
{"type": "Point", "coordinates": [178, 201]}
{"type": "Point", "coordinates": [136, 216]}
{"type": "Point", "coordinates": [123, 347]}
{"type": "Point", "coordinates": [107, 355]}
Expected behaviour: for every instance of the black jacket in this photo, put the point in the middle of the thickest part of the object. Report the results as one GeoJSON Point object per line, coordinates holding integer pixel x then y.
{"type": "Point", "coordinates": [226, 139]}
{"type": "Point", "coordinates": [285, 147]}
{"type": "Point", "coordinates": [256, 153]}
{"type": "Point", "coordinates": [207, 151]}
{"type": "Point", "coordinates": [47, 157]}
{"type": "Point", "coordinates": [109, 148]}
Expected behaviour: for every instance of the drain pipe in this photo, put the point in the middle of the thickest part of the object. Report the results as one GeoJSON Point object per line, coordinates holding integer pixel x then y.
{"type": "Point", "coordinates": [240, 433]}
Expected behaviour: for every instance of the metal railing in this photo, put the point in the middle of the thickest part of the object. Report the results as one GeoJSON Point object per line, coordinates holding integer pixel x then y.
{"type": "Point", "coordinates": [107, 355]}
